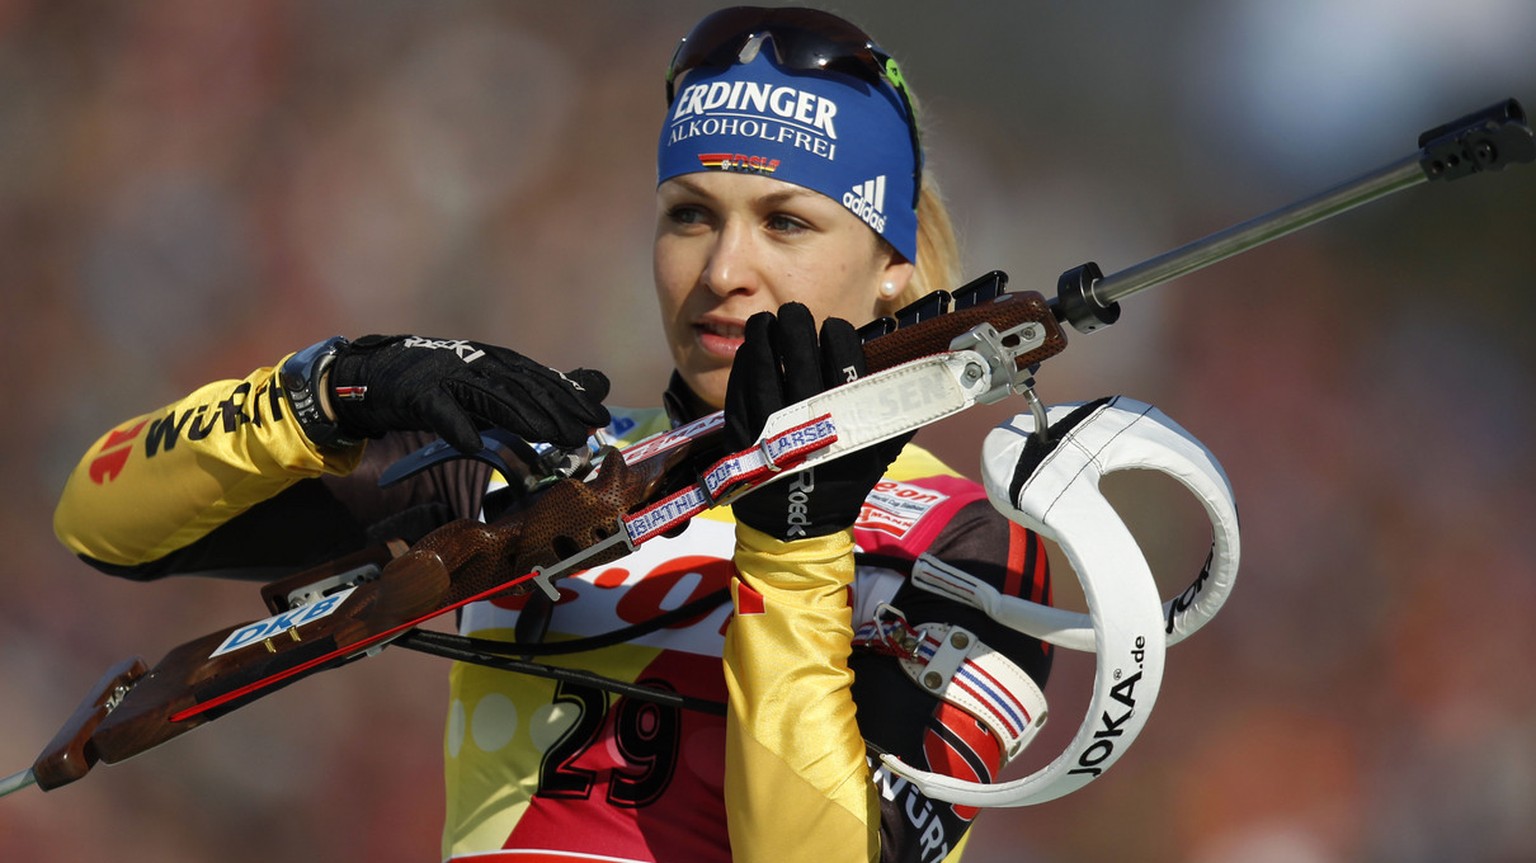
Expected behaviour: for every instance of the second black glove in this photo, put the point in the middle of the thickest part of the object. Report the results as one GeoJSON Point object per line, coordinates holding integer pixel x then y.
{"type": "Point", "coordinates": [456, 388]}
{"type": "Point", "coordinates": [781, 362]}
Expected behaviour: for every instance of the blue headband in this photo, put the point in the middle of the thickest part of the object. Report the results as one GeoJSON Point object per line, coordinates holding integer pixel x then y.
{"type": "Point", "coordinates": [828, 132]}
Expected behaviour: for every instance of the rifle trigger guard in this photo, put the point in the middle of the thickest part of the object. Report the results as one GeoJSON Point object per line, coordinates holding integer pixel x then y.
{"type": "Point", "coordinates": [1002, 351]}
{"type": "Point", "coordinates": [546, 583]}
{"type": "Point", "coordinates": [545, 577]}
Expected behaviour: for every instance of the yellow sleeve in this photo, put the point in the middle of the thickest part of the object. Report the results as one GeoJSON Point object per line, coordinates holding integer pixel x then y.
{"type": "Point", "coordinates": [161, 481]}
{"type": "Point", "coordinates": [797, 786]}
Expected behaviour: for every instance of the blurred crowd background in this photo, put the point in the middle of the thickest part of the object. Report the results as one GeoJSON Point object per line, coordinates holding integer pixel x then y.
{"type": "Point", "coordinates": [191, 189]}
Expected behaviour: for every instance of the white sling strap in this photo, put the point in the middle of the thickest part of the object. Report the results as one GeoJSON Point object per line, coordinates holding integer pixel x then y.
{"type": "Point", "coordinates": [1053, 489]}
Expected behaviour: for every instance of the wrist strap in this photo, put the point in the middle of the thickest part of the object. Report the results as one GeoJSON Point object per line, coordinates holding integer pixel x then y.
{"type": "Point", "coordinates": [952, 664]}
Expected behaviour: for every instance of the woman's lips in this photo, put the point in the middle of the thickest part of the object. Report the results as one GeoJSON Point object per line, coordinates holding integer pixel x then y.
{"type": "Point", "coordinates": [720, 338]}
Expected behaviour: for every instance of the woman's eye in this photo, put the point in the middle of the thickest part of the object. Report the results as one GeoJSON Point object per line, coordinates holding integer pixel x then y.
{"type": "Point", "coordinates": [686, 214]}
{"type": "Point", "coordinates": [785, 223]}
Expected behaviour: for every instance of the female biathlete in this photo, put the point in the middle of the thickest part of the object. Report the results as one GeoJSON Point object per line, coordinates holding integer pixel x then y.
{"type": "Point", "coordinates": [792, 199]}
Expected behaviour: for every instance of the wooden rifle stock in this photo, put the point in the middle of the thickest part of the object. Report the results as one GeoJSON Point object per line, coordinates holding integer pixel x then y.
{"type": "Point", "coordinates": [382, 592]}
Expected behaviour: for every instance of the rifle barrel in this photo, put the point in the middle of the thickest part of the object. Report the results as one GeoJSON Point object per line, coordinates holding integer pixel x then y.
{"type": "Point", "coordinates": [17, 781]}
{"type": "Point", "coordinates": [1257, 231]}
{"type": "Point", "coordinates": [1485, 140]}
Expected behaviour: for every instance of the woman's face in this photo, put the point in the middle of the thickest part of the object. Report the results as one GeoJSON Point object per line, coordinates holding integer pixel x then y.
{"type": "Point", "coordinates": [731, 245]}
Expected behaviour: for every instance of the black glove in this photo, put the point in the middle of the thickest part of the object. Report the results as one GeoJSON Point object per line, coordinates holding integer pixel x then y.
{"type": "Point", "coordinates": [456, 388]}
{"type": "Point", "coordinates": [780, 362]}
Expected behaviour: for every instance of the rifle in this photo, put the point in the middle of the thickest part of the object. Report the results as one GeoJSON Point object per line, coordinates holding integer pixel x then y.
{"type": "Point", "coordinates": [978, 344]}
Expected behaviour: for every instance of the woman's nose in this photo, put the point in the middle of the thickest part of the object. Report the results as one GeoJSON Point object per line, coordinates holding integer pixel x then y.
{"type": "Point", "coordinates": [732, 266]}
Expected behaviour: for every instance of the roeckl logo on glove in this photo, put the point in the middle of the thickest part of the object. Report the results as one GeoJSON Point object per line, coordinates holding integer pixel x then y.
{"type": "Point", "coordinates": [574, 385]}
{"type": "Point", "coordinates": [801, 485]}
{"type": "Point", "coordinates": [467, 351]}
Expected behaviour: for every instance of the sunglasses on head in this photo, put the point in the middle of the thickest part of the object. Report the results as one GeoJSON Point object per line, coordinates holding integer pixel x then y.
{"type": "Point", "coordinates": [806, 40]}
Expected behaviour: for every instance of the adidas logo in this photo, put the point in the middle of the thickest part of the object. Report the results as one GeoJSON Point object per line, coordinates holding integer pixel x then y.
{"type": "Point", "coordinates": [867, 201]}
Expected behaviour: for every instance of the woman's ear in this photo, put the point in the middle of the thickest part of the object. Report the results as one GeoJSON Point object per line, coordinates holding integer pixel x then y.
{"type": "Point", "coordinates": [894, 278]}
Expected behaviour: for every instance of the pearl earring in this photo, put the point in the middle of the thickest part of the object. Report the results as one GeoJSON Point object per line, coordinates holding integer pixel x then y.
{"type": "Point", "coordinates": [888, 290]}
